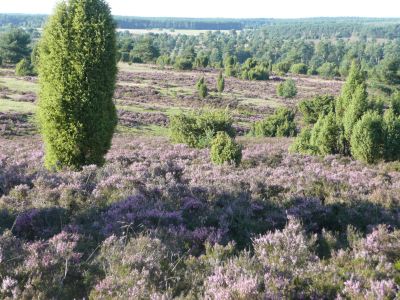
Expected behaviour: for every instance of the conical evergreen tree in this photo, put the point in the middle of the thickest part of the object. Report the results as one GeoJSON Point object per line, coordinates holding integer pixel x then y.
{"type": "Point", "coordinates": [77, 73]}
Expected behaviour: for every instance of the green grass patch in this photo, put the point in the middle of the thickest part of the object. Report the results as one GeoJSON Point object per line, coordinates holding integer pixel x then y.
{"type": "Point", "coordinates": [261, 102]}
{"type": "Point", "coordinates": [19, 85]}
{"type": "Point", "coordinates": [147, 130]}
{"type": "Point", "coordinates": [14, 106]}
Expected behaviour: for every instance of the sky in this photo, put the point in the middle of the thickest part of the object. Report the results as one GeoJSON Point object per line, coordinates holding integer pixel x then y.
{"type": "Point", "coordinates": [227, 8]}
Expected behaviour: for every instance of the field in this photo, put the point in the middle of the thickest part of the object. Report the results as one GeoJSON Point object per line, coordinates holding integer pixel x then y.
{"type": "Point", "coordinates": [160, 221]}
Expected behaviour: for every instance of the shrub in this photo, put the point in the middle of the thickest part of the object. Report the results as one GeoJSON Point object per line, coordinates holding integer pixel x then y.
{"type": "Point", "coordinates": [202, 88]}
{"type": "Point", "coordinates": [327, 70]}
{"type": "Point", "coordinates": [287, 89]}
{"type": "Point", "coordinates": [302, 142]}
{"type": "Point", "coordinates": [182, 63]}
{"type": "Point", "coordinates": [314, 108]}
{"type": "Point", "coordinates": [300, 68]}
{"type": "Point", "coordinates": [77, 70]}
{"type": "Point", "coordinates": [282, 68]}
{"type": "Point", "coordinates": [324, 136]}
{"type": "Point", "coordinates": [357, 107]}
{"type": "Point", "coordinates": [395, 103]}
{"type": "Point", "coordinates": [220, 83]}
{"type": "Point", "coordinates": [225, 150]}
{"type": "Point", "coordinates": [368, 138]}
{"type": "Point", "coordinates": [24, 68]}
{"type": "Point", "coordinates": [253, 70]}
{"type": "Point", "coordinates": [198, 129]}
{"type": "Point", "coordinates": [392, 128]}
{"type": "Point", "coordinates": [163, 60]}
{"type": "Point", "coordinates": [278, 125]}
{"type": "Point", "coordinates": [230, 65]}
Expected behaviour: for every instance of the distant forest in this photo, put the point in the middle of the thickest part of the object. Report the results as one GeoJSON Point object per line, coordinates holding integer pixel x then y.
{"type": "Point", "coordinates": [311, 28]}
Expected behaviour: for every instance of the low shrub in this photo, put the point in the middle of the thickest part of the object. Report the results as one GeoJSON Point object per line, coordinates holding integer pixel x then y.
{"type": "Point", "coordinates": [24, 68]}
{"type": "Point", "coordinates": [198, 129]}
{"type": "Point", "coordinates": [182, 64]}
{"type": "Point", "coordinates": [253, 70]}
{"type": "Point", "coordinates": [314, 108]}
{"type": "Point", "coordinates": [225, 150]}
{"type": "Point", "coordinates": [368, 138]}
{"type": "Point", "coordinates": [287, 89]}
{"type": "Point", "coordinates": [300, 68]}
{"type": "Point", "coordinates": [327, 70]}
{"type": "Point", "coordinates": [279, 124]}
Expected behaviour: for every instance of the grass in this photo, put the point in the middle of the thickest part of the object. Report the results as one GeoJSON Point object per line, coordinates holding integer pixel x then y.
{"type": "Point", "coordinates": [147, 130]}
{"type": "Point", "coordinates": [14, 106]}
{"type": "Point", "coordinates": [261, 102]}
{"type": "Point", "coordinates": [19, 85]}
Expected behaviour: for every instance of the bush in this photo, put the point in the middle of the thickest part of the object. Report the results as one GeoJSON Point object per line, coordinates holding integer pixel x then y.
{"type": "Point", "coordinates": [392, 128]}
{"type": "Point", "coordinates": [368, 138]}
{"type": "Point", "coordinates": [225, 150]}
{"type": "Point", "coordinates": [202, 88]}
{"type": "Point", "coordinates": [287, 89]}
{"type": "Point", "coordinates": [327, 70]}
{"type": "Point", "coordinates": [282, 68]}
{"type": "Point", "coordinates": [314, 108]}
{"type": "Point", "coordinates": [220, 83]}
{"type": "Point", "coordinates": [324, 136]}
{"type": "Point", "coordinates": [302, 142]}
{"type": "Point", "coordinates": [278, 125]}
{"type": "Point", "coordinates": [253, 70]}
{"type": "Point", "coordinates": [182, 64]}
{"type": "Point", "coordinates": [299, 69]}
{"type": "Point", "coordinates": [78, 70]}
{"type": "Point", "coordinates": [163, 60]}
{"type": "Point", "coordinates": [23, 68]}
{"type": "Point", "coordinates": [198, 129]}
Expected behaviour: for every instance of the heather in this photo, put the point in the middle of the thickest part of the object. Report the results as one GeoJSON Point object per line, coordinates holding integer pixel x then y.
{"type": "Point", "coordinates": [161, 221]}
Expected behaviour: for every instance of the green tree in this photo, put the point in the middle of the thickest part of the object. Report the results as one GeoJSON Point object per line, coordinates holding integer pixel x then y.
{"type": "Point", "coordinates": [220, 83]}
{"type": "Point", "coordinates": [355, 78]}
{"type": "Point", "coordinates": [287, 89]}
{"type": "Point", "coordinates": [357, 107]}
{"type": "Point", "coordinates": [14, 45]}
{"type": "Point", "coordinates": [225, 150]}
{"type": "Point", "coordinates": [368, 138]}
{"type": "Point", "coordinates": [144, 51]}
{"type": "Point", "coordinates": [320, 105]}
{"type": "Point", "coordinates": [77, 73]}
{"type": "Point", "coordinates": [280, 124]}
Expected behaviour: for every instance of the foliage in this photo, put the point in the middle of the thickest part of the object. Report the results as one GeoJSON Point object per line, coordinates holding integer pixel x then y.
{"type": "Point", "coordinates": [325, 135]}
{"type": "Point", "coordinates": [358, 106]}
{"type": "Point", "coordinates": [76, 113]}
{"type": "Point", "coordinates": [368, 138]}
{"type": "Point", "coordinates": [392, 130]}
{"type": "Point", "coordinates": [198, 129]}
{"type": "Point", "coordinates": [253, 70]}
{"type": "Point", "coordinates": [277, 125]}
{"type": "Point", "coordinates": [14, 45]}
{"type": "Point", "coordinates": [225, 150]}
{"type": "Point", "coordinates": [182, 63]}
{"type": "Point", "coordinates": [201, 87]}
{"type": "Point", "coordinates": [327, 70]}
{"type": "Point", "coordinates": [282, 67]}
{"type": "Point", "coordinates": [220, 83]}
{"type": "Point", "coordinates": [312, 109]}
{"type": "Point", "coordinates": [24, 68]}
{"type": "Point", "coordinates": [287, 89]}
{"type": "Point", "coordinates": [144, 51]}
{"type": "Point", "coordinates": [300, 68]}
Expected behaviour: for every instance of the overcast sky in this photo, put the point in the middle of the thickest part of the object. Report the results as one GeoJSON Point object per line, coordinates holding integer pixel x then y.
{"type": "Point", "coordinates": [227, 8]}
